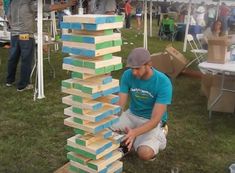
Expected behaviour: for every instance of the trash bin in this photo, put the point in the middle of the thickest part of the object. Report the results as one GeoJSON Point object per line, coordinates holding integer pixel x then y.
{"type": "Point", "coordinates": [180, 32]}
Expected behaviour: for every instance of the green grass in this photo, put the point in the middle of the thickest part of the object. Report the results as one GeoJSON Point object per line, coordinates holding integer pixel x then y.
{"type": "Point", "coordinates": [33, 137]}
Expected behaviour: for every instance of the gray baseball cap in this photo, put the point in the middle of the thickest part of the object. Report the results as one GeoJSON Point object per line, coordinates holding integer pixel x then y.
{"type": "Point", "coordinates": [138, 57]}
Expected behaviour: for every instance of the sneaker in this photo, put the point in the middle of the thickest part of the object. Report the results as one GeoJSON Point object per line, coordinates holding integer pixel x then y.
{"type": "Point", "coordinates": [165, 129]}
{"type": "Point", "coordinates": [123, 149]}
{"type": "Point", "coordinates": [28, 87]}
{"type": "Point", "coordinates": [9, 85]}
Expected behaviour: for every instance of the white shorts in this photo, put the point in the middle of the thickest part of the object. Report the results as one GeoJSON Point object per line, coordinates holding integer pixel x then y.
{"type": "Point", "coordinates": [154, 139]}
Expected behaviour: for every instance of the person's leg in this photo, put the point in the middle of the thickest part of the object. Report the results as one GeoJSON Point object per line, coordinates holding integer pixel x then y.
{"type": "Point", "coordinates": [149, 144]}
{"type": "Point", "coordinates": [27, 54]}
{"type": "Point", "coordinates": [13, 59]}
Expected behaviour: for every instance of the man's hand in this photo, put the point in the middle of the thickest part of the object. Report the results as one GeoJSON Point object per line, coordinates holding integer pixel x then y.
{"type": "Point", "coordinates": [129, 138]}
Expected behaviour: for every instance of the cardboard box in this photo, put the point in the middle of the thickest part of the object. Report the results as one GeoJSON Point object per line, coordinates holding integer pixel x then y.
{"type": "Point", "coordinates": [227, 101]}
{"type": "Point", "coordinates": [178, 60]}
{"type": "Point", "coordinates": [206, 83]}
{"type": "Point", "coordinates": [217, 50]}
{"type": "Point", "coordinates": [162, 62]}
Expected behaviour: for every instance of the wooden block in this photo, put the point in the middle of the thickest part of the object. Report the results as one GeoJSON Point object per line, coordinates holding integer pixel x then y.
{"type": "Point", "coordinates": [90, 53]}
{"type": "Point", "coordinates": [78, 92]}
{"type": "Point", "coordinates": [92, 127]}
{"type": "Point", "coordinates": [89, 138]}
{"type": "Point", "coordinates": [95, 63]}
{"type": "Point", "coordinates": [91, 116]}
{"type": "Point", "coordinates": [93, 148]}
{"type": "Point", "coordinates": [93, 33]}
{"type": "Point", "coordinates": [91, 27]}
{"type": "Point", "coordinates": [91, 39]}
{"type": "Point", "coordinates": [103, 163]}
{"type": "Point", "coordinates": [77, 158]}
{"type": "Point", "coordinates": [90, 104]}
{"type": "Point", "coordinates": [91, 18]}
{"type": "Point", "coordinates": [117, 138]}
{"type": "Point", "coordinates": [116, 167]}
{"type": "Point", "coordinates": [113, 99]}
{"type": "Point", "coordinates": [82, 75]}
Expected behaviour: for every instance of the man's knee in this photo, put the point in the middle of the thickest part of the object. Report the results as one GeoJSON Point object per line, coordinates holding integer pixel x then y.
{"type": "Point", "coordinates": [145, 153]}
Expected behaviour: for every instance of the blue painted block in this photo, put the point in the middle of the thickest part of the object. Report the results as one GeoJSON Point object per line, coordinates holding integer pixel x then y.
{"type": "Point", "coordinates": [90, 27]}
{"type": "Point", "coordinates": [88, 40]}
{"type": "Point", "coordinates": [108, 134]}
{"type": "Point", "coordinates": [100, 20]}
{"type": "Point", "coordinates": [66, 38]}
{"type": "Point", "coordinates": [68, 60]}
{"type": "Point", "coordinates": [97, 106]}
{"type": "Point", "coordinates": [66, 49]}
{"type": "Point", "coordinates": [107, 80]}
{"type": "Point", "coordinates": [107, 156]}
{"type": "Point", "coordinates": [111, 91]}
{"type": "Point", "coordinates": [115, 100]}
{"type": "Point", "coordinates": [116, 110]}
{"type": "Point", "coordinates": [77, 26]}
{"type": "Point", "coordinates": [110, 20]}
{"type": "Point", "coordinates": [88, 53]}
{"type": "Point", "coordinates": [65, 25]}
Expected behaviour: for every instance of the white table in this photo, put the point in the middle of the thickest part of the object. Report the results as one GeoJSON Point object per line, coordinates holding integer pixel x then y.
{"type": "Point", "coordinates": [223, 69]}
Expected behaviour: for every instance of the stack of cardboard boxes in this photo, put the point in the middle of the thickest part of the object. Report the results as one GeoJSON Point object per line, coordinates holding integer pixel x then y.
{"type": "Point", "coordinates": [211, 84]}
{"type": "Point", "coordinates": [90, 42]}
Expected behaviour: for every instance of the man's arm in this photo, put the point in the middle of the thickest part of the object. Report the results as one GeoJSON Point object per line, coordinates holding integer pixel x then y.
{"type": "Point", "coordinates": [157, 113]}
{"type": "Point", "coordinates": [122, 100]}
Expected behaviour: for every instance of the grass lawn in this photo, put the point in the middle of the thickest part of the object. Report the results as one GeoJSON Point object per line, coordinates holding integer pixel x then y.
{"type": "Point", "coordinates": [33, 137]}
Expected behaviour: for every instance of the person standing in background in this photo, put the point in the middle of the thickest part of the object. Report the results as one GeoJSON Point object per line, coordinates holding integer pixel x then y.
{"type": "Point", "coordinates": [211, 13]}
{"type": "Point", "coordinates": [21, 16]}
{"type": "Point", "coordinates": [128, 13]}
{"type": "Point", "coordinates": [224, 15]}
{"type": "Point", "coordinates": [138, 14]}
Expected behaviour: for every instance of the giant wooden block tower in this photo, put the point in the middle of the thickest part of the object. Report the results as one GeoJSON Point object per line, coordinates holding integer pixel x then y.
{"type": "Point", "coordinates": [90, 42]}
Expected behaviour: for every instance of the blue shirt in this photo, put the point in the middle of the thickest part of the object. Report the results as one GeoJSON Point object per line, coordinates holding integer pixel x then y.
{"type": "Point", "coordinates": [145, 93]}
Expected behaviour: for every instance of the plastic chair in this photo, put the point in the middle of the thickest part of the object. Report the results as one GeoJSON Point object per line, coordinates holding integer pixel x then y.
{"type": "Point", "coordinates": [199, 53]}
{"type": "Point", "coordinates": [167, 30]}
{"type": "Point", "coordinates": [200, 39]}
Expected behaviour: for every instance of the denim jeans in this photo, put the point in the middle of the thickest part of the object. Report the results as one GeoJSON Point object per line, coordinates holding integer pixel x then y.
{"type": "Point", "coordinates": [20, 50]}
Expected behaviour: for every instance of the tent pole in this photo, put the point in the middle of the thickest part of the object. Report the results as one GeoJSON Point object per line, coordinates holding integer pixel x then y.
{"type": "Point", "coordinates": [187, 26]}
{"type": "Point", "coordinates": [151, 19]}
{"type": "Point", "coordinates": [40, 52]}
{"type": "Point", "coordinates": [145, 26]}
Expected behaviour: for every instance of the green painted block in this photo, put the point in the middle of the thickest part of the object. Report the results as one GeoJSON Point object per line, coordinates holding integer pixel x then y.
{"type": "Point", "coordinates": [75, 159]}
{"type": "Point", "coordinates": [87, 90]}
{"type": "Point", "coordinates": [77, 86]}
{"type": "Point", "coordinates": [92, 166]}
{"type": "Point", "coordinates": [119, 19]}
{"type": "Point", "coordinates": [100, 70]}
{"type": "Point", "coordinates": [76, 170]}
{"type": "Point", "coordinates": [79, 131]}
{"type": "Point", "coordinates": [118, 66]}
{"type": "Point", "coordinates": [78, 62]}
{"type": "Point", "coordinates": [81, 152]}
{"type": "Point", "coordinates": [117, 42]}
{"type": "Point", "coordinates": [108, 32]}
{"type": "Point", "coordinates": [77, 99]}
{"type": "Point", "coordinates": [107, 56]}
{"type": "Point", "coordinates": [109, 69]}
{"type": "Point", "coordinates": [103, 45]}
{"type": "Point", "coordinates": [89, 65]}
{"type": "Point", "coordinates": [77, 75]}
{"type": "Point", "coordinates": [77, 110]}
{"type": "Point", "coordinates": [66, 84]}
{"type": "Point", "coordinates": [80, 142]}
{"type": "Point", "coordinates": [76, 38]}
{"type": "Point", "coordinates": [78, 120]}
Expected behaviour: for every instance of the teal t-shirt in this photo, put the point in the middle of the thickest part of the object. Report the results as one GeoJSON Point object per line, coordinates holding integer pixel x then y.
{"type": "Point", "coordinates": [145, 93]}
